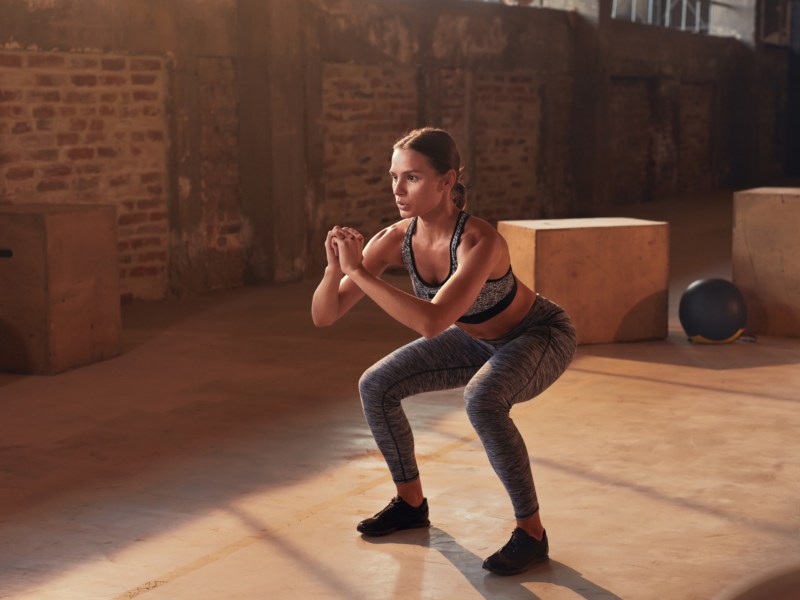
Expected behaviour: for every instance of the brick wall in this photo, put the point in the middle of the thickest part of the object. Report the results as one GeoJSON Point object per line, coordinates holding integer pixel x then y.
{"type": "Point", "coordinates": [365, 110]}
{"type": "Point", "coordinates": [694, 148]}
{"type": "Point", "coordinates": [506, 145]}
{"type": "Point", "coordinates": [91, 128]}
{"type": "Point", "coordinates": [629, 140]}
{"type": "Point", "coordinates": [221, 236]}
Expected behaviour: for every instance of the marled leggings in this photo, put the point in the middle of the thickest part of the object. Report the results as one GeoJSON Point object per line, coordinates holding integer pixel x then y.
{"type": "Point", "coordinates": [497, 374]}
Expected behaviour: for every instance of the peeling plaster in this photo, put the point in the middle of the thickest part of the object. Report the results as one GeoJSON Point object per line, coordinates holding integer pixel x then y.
{"type": "Point", "coordinates": [184, 187]}
{"type": "Point", "coordinates": [393, 37]}
{"type": "Point", "coordinates": [469, 37]}
{"type": "Point", "coordinates": [40, 4]}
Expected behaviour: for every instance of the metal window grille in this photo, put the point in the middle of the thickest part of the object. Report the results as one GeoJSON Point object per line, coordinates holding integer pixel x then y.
{"type": "Point", "coordinates": [686, 15]}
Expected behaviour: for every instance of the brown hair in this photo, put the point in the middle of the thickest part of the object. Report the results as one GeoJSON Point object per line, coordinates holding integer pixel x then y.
{"type": "Point", "coordinates": [441, 151]}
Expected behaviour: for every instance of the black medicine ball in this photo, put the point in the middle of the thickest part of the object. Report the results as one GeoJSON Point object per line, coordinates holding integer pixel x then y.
{"type": "Point", "coordinates": [712, 311]}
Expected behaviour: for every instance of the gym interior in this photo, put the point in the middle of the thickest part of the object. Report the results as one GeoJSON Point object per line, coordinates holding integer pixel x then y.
{"type": "Point", "coordinates": [173, 424]}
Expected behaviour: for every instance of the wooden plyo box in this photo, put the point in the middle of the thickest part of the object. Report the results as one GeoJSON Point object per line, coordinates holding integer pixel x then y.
{"type": "Point", "coordinates": [59, 287]}
{"type": "Point", "coordinates": [766, 258]}
{"type": "Point", "coordinates": [610, 274]}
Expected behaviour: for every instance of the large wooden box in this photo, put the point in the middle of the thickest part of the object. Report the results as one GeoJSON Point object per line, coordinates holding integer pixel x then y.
{"type": "Point", "coordinates": [59, 287]}
{"type": "Point", "coordinates": [610, 274]}
{"type": "Point", "coordinates": [766, 258]}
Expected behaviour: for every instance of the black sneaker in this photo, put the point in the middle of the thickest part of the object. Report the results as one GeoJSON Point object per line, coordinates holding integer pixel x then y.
{"type": "Point", "coordinates": [519, 554]}
{"type": "Point", "coordinates": [397, 515]}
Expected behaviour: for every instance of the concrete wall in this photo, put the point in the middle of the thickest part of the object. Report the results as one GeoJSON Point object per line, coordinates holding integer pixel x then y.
{"type": "Point", "coordinates": [273, 120]}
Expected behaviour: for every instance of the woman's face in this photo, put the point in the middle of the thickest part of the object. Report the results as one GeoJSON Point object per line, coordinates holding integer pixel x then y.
{"type": "Point", "coordinates": [416, 185]}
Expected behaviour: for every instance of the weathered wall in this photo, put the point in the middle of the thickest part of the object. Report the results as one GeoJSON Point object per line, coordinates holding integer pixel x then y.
{"type": "Point", "coordinates": [91, 128]}
{"type": "Point", "coordinates": [273, 120]}
{"type": "Point", "coordinates": [169, 161]}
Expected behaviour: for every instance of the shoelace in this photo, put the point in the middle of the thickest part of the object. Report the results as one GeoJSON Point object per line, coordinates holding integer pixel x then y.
{"type": "Point", "coordinates": [513, 544]}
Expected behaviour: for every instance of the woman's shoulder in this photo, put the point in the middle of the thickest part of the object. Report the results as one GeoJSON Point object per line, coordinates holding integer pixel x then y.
{"type": "Point", "coordinates": [477, 229]}
{"type": "Point", "coordinates": [393, 232]}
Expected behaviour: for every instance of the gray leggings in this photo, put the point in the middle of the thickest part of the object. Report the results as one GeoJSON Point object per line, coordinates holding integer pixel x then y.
{"type": "Point", "coordinates": [497, 374]}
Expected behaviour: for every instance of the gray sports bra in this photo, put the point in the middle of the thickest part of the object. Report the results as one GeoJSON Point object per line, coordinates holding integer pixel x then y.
{"type": "Point", "coordinates": [495, 295]}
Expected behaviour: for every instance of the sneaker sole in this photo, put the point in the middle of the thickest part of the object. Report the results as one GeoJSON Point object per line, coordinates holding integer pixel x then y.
{"type": "Point", "coordinates": [390, 531]}
{"type": "Point", "coordinates": [533, 563]}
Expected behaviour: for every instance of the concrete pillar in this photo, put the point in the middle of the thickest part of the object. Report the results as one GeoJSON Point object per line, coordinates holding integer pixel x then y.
{"type": "Point", "coordinates": [273, 171]}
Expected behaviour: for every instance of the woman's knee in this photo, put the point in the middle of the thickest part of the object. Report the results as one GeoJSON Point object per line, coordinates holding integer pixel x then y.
{"type": "Point", "coordinates": [486, 411]}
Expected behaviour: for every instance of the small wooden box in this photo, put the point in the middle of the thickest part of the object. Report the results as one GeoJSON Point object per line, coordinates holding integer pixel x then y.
{"type": "Point", "coordinates": [59, 287]}
{"type": "Point", "coordinates": [610, 274]}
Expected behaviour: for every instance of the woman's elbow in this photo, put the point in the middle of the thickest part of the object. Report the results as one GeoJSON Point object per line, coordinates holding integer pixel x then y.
{"type": "Point", "coordinates": [322, 320]}
{"type": "Point", "coordinates": [433, 328]}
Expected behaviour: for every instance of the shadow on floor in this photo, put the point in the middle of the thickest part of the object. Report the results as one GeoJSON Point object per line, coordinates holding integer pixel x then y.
{"type": "Point", "coordinates": [488, 585]}
{"type": "Point", "coordinates": [677, 350]}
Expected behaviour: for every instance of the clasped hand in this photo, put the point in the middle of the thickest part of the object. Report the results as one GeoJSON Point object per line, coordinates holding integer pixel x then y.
{"type": "Point", "coordinates": [344, 246]}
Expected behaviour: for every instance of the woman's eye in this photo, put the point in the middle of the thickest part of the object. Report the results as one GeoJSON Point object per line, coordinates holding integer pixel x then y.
{"type": "Point", "coordinates": [411, 177]}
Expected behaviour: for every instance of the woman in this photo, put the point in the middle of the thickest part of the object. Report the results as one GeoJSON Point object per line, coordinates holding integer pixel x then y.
{"type": "Point", "coordinates": [480, 327]}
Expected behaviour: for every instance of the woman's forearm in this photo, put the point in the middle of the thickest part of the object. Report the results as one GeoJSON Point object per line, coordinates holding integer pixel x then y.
{"type": "Point", "coordinates": [425, 318]}
{"type": "Point", "coordinates": [325, 302]}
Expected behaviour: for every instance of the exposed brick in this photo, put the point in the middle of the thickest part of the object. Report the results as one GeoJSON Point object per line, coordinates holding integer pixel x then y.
{"type": "Point", "coordinates": [106, 152]}
{"type": "Point", "coordinates": [68, 139]}
{"type": "Point", "coordinates": [84, 80]}
{"type": "Point", "coordinates": [44, 112]}
{"type": "Point", "coordinates": [51, 185]}
{"type": "Point", "coordinates": [57, 171]}
{"type": "Point", "coordinates": [80, 153]}
{"type": "Point", "coordinates": [90, 168]}
{"type": "Point", "coordinates": [71, 117]}
{"type": "Point", "coordinates": [138, 79]}
{"type": "Point", "coordinates": [113, 80]}
{"type": "Point", "coordinates": [10, 95]}
{"type": "Point", "coordinates": [50, 80]}
{"type": "Point", "coordinates": [84, 183]}
{"type": "Point", "coordinates": [19, 173]}
{"type": "Point", "coordinates": [83, 62]}
{"type": "Point", "coordinates": [48, 154]}
{"type": "Point", "coordinates": [142, 95]}
{"type": "Point", "coordinates": [8, 157]}
{"type": "Point", "coordinates": [10, 111]}
{"type": "Point", "coordinates": [145, 242]}
{"type": "Point", "coordinates": [144, 271]}
{"type": "Point", "coordinates": [80, 98]}
{"type": "Point", "coordinates": [149, 204]}
{"type": "Point", "coordinates": [10, 60]}
{"type": "Point", "coordinates": [151, 177]}
{"type": "Point", "coordinates": [45, 60]}
{"type": "Point", "coordinates": [131, 219]}
{"type": "Point", "coordinates": [94, 137]}
{"type": "Point", "coordinates": [147, 257]}
{"type": "Point", "coordinates": [43, 96]}
{"type": "Point", "coordinates": [145, 64]}
{"type": "Point", "coordinates": [113, 64]}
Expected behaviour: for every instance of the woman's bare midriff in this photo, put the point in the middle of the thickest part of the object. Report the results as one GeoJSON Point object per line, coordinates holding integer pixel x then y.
{"type": "Point", "coordinates": [501, 324]}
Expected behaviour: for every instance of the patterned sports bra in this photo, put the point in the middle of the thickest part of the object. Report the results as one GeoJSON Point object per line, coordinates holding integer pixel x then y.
{"type": "Point", "coordinates": [495, 295]}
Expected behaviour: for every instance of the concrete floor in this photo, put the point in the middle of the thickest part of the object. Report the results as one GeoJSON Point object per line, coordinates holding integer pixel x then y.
{"type": "Point", "coordinates": [224, 456]}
